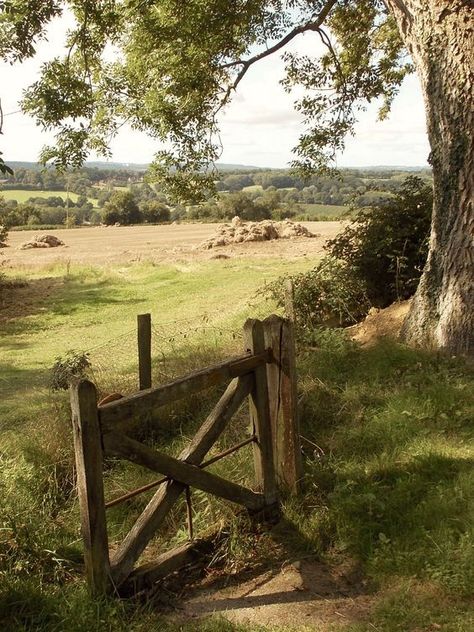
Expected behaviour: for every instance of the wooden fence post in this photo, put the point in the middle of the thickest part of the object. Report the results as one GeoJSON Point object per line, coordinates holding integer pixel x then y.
{"type": "Point", "coordinates": [282, 387]}
{"type": "Point", "coordinates": [290, 301]}
{"type": "Point", "coordinates": [144, 350]}
{"type": "Point", "coordinates": [260, 416]}
{"type": "Point", "coordinates": [90, 486]}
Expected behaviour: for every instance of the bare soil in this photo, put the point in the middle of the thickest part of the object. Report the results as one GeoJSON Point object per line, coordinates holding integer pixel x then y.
{"type": "Point", "coordinates": [305, 594]}
{"type": "Point", "coordinates": [380, 323]}
{"type": "Point", "coordinates": [167, 243]}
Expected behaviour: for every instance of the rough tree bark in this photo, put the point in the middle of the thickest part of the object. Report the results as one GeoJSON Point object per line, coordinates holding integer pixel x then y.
{"type": "Point", "coordinates": [440, 37]}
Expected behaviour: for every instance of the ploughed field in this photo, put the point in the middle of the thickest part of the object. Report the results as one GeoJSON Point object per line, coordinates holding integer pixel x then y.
{"type": "Point", "coordinates": [164, 243]}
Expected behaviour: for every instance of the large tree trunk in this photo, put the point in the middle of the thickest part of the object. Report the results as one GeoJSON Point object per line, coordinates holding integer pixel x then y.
{"type": "Point", "coordinates": [440, 37]}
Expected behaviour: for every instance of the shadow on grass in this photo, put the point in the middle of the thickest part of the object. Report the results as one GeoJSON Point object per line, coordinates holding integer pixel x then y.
{"type": "Point", "coordinates": [360, 403]}
{"type": "Point", "coordinates": [400, 504]}
{"type": "Point", "coordinates": [55, 297]}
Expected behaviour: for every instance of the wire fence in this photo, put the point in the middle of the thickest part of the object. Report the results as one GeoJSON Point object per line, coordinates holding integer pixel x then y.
{"type": "Point", "coordinates": [176, 348]}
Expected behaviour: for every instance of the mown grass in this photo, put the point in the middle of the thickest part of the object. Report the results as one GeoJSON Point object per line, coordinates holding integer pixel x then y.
{"type": "Point", "coordinates": [391, 485]}
{"type": "Point", "coordinates": [67, 307]}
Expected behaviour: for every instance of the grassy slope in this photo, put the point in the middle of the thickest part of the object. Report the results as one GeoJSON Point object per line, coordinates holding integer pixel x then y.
{"type": "Point", "coordinates": [394, 489]}
{"type": "Point", "coordinates": [79, 308]}
{"type": "Point", "coordinates": [22, 196]}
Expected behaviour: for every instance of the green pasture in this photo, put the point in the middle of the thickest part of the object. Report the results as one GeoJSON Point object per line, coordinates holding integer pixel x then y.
{"type": "Point", "coordinates": [23, 196]}
{"type": "Point", "coordinates": [331, 211]}
{"type": "Point", "coordinates": [77, 308]}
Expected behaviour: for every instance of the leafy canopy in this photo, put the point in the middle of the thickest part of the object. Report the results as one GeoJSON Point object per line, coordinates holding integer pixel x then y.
{"type": "Point", "coordinates": [168, 67]}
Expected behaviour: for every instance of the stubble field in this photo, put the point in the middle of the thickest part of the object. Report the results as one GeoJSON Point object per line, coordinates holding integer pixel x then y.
{"type": "Point", "coordinates": [165, 243]}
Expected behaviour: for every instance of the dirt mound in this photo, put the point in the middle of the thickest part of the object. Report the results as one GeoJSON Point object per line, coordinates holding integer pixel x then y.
{"type": "Point", "coordinates": [380, 323]}
{"type": "Point", "coordinates": [42, 241]}
{"type": "Point", "coordinates": [239, 231]}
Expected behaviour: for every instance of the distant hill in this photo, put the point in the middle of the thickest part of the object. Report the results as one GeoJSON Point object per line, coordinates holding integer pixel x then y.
{"type": "Point", "coordinates": [131, 166]}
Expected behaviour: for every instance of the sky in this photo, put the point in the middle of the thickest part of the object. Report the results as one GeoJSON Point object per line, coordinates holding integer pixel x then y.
{"type": "Point", "coordinates": [259, 128]}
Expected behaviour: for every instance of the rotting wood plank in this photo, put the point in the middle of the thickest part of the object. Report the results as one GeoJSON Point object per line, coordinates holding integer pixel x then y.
{"type": "Point", "coordinates": [163, 500]}
{"type": "Point", "coordinates": [122, 413]}
{"type": "Point", "coordinates": [146, 575]}
{"type": "Point", "coordinates": [260, 416]}
{"type": "Point", "coordinates": [90, 486]}
{"type": "Point", "coordinates": [120, 445]}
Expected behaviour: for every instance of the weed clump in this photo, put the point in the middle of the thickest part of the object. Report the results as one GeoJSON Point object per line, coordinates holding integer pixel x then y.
{"type": "Point", "coordinates": [72, 366]}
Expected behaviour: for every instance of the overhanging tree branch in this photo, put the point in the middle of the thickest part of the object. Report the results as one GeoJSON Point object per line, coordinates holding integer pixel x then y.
{"type": "Point", "coordinates": [313, 25]}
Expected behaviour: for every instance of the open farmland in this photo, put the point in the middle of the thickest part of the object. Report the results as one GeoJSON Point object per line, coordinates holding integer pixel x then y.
{"type": "Point", "coordinates": [165, 243]}
{"type": "Point", "coordinates": [90, 290]}
{"type": "Point", "coordinates": [22, 196]}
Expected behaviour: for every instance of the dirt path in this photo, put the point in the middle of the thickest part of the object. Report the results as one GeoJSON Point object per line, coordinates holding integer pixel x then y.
{"type": "Point", "coordinates": [104, 245]}
{"type": "Point", "coordinates": [305, 594]}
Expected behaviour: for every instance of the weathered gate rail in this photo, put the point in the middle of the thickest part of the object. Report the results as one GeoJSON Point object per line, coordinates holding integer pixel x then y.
{"type": "Point", "coordinates": [265, 375]}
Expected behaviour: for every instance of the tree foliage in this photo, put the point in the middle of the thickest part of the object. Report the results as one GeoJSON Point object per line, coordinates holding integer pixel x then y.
{"type": "Point", "coordinates": [179, 64]}
{"type": "Point", "coordinates": [387, 244]}
{"type": "Point", "coordinates": [376, 260]}
{"type": "Point", "coordinates": [122, 209]}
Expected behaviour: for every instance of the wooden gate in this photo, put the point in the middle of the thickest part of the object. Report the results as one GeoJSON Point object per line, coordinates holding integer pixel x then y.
{"type": "Point", "coordinates": [265, 374]}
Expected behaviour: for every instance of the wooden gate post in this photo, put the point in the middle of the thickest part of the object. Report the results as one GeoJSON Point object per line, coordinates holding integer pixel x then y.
{"type": "Point", "coordinates": [90, 486]}
{"type": "Point", "coordinates": [144, 350]}
{"type": "Point", "coordinates": [260, 416]}
{"type": "Point", "coordinates": [282, 388]}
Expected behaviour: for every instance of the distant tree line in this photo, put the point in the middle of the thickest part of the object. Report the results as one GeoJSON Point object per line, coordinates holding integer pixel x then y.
{"type": "Point", "coordinates": [86, 181]}
{"type": "Point", "coordinates": [123, 196]}
{"type": "Point", "coordinates": [361, 187]}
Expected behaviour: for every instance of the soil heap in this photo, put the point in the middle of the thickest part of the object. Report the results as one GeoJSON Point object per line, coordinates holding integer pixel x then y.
{"type": "Point", "coordinates": [239, 231]}
{"type": "Point", "coordinates": [42, 241]}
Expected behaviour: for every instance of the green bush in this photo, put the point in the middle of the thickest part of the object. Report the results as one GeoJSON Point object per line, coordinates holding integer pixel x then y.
{"type": "Point", "coordinates": [329, 294]}
{"type": "Point", "coordinates": [122, 208]}
{"type": "Point", "coordinates": [65, 369]}
{"type": "Point", "coordinates": [376, 260]}
{"type": "Point", "coordinates": [154, 212]}
{"type": "Point", "coordinates": [386, 244]}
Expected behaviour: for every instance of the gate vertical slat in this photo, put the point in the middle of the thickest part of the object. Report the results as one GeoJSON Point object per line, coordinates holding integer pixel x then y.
{"type": "Point", "coordinates": [90, 485]}
{"type": "Point", "coordinates": [260, 416]}
{"type": "Point", "coordinates": [282, 386]}
{"type": "Point", "coordinates": [144, 350]}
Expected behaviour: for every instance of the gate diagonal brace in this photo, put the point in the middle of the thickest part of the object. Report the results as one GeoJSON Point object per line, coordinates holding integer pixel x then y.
{"type": "Point", "coordinates": [163, 500]}
{"type": "Point", "coordinates": [122, 446]}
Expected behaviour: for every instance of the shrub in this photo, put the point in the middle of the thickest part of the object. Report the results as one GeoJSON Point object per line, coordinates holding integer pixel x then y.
{"type": "Point", "coordinates": [154, 212]}
{"type": "Point", "coordinates": [377, 259]}
{"type": "Point", "coordinates": [122, 208]}
{"type": "Point", "coordinates": [386, 245]}
{"type": "Point", "coordinates": [70, 367]}
{"type": "Point", "coordinates": [329, 294]}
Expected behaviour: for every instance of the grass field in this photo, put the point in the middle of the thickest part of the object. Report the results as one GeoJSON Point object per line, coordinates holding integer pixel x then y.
{"type": "Point", "coordinates": [22, 196]}
{"type": "Point", "coordinates": [77, 307]}
{"type": "Point", "coordinates": [329, 211]}
{"type": "Point", "coordinates": [389, 490]}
